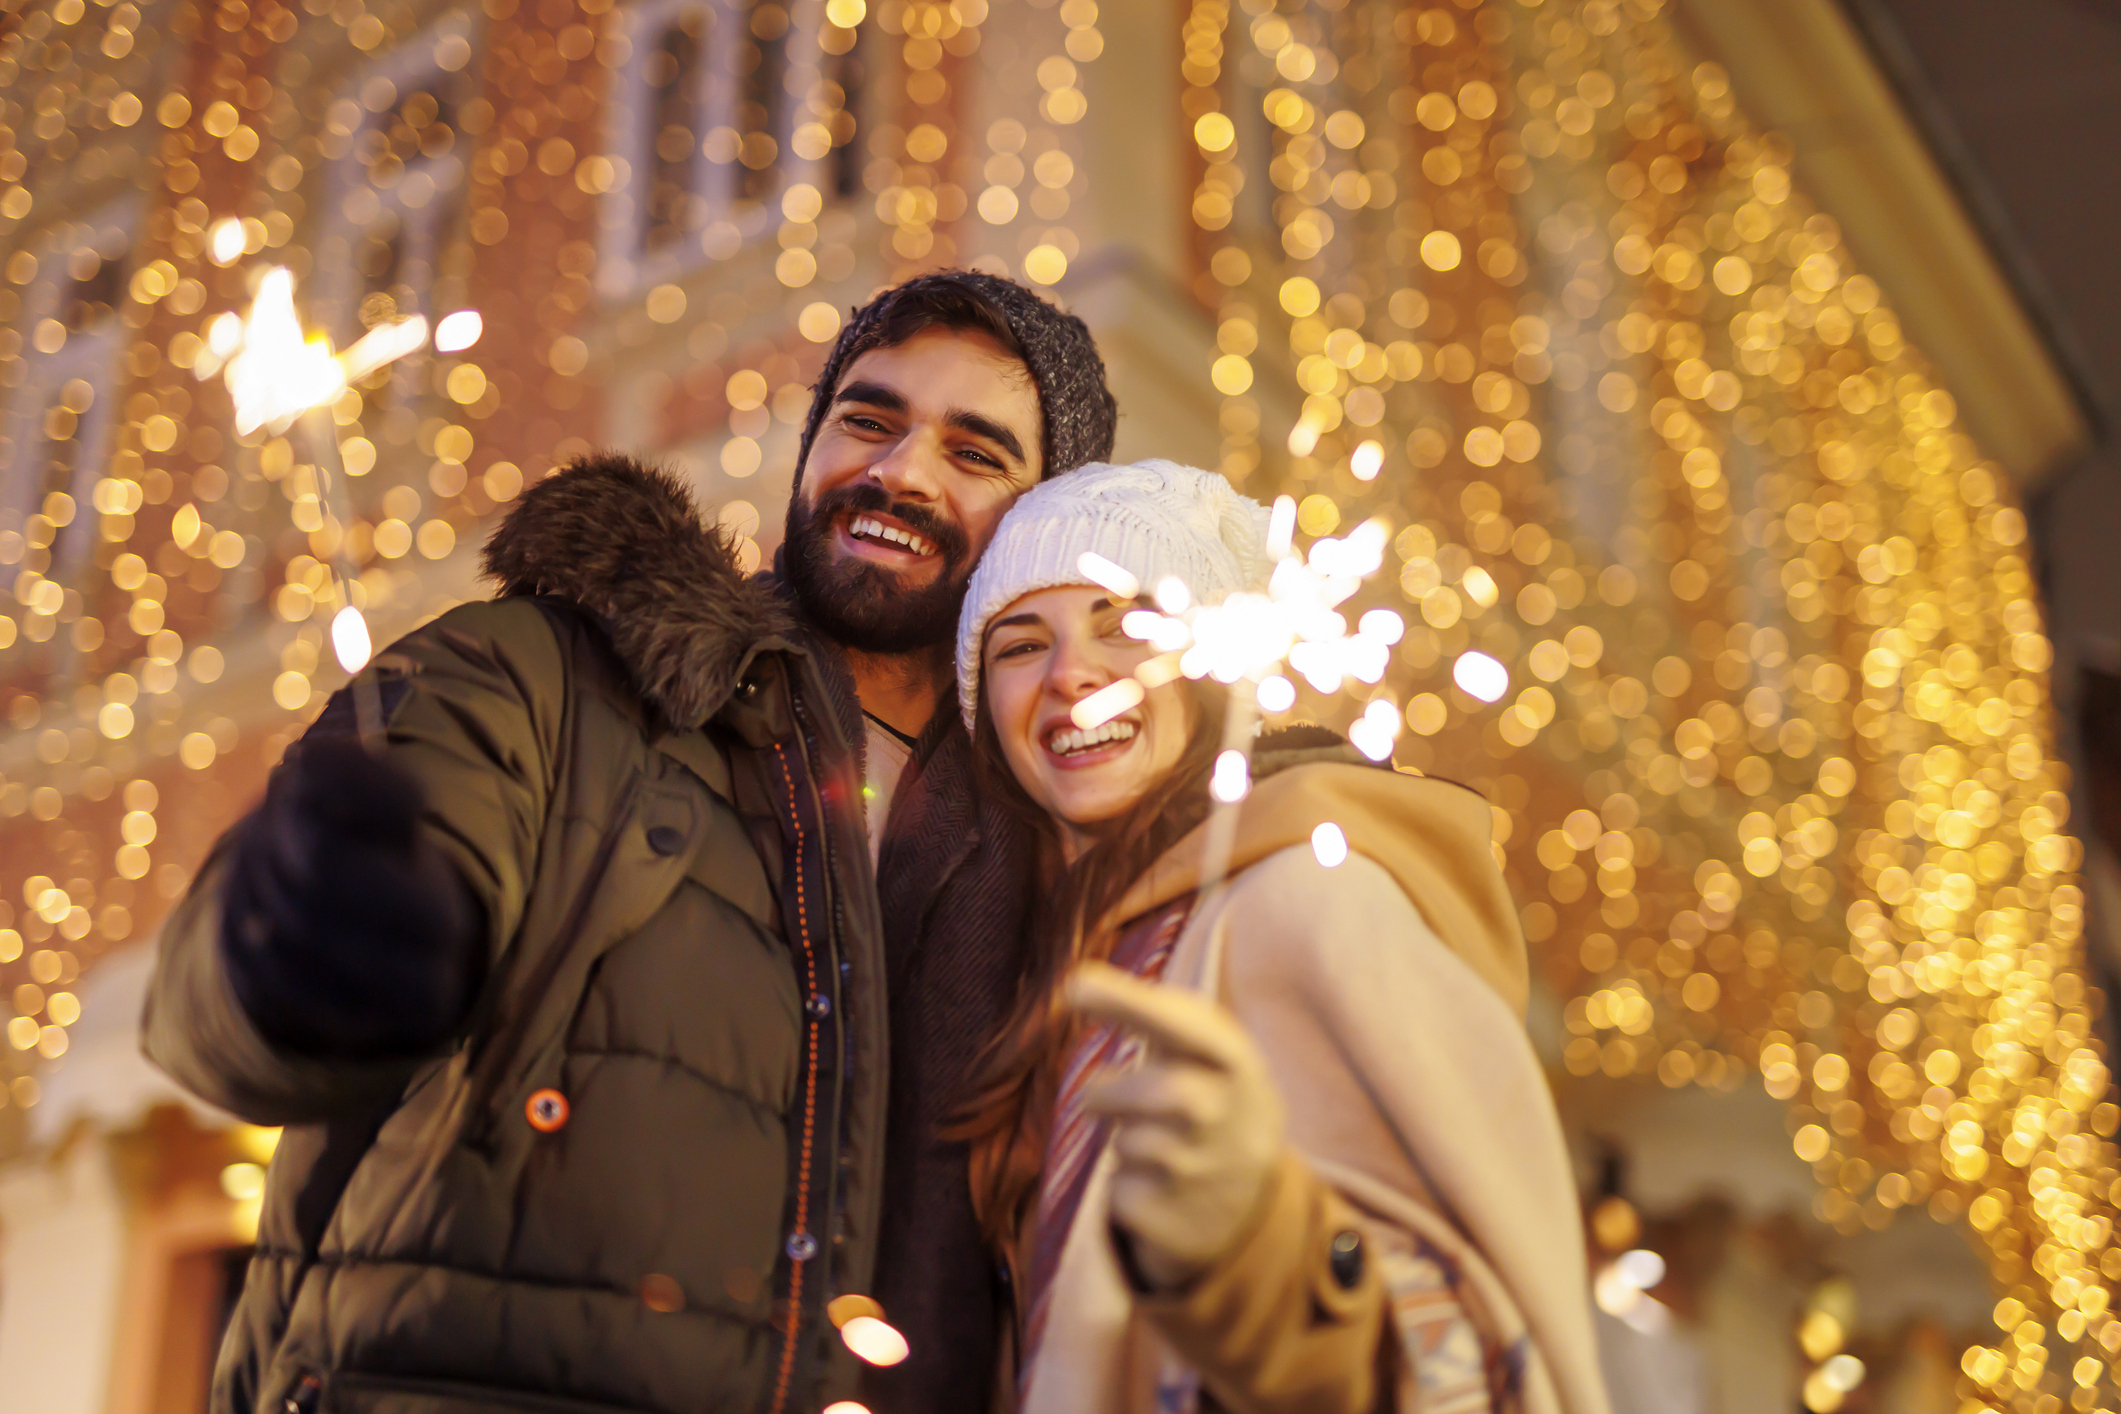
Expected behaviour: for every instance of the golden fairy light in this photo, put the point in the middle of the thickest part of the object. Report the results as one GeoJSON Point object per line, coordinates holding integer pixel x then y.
{"type": "Point", "coordinates": [1808, 831]}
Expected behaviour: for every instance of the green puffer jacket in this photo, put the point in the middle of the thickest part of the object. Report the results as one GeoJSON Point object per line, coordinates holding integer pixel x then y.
{"type": "Point", "coordinates": [655, 1156]}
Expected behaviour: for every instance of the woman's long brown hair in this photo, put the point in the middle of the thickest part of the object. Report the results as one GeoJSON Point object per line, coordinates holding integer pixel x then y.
{"type": "Point", "coordinates": [1006, 1116]}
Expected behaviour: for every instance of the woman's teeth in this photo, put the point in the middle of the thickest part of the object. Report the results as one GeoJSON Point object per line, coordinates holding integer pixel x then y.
{"type": "Point", "coordinates": [1069, 740]}
{"type": "Point", "coordinates": [869, 528]}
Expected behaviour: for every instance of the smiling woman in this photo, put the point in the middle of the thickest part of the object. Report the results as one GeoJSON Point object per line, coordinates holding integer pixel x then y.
{"type": "Point", "coordinates": [1048, 651]}
{"type": "Point", "coordinates": [1204, 1118]}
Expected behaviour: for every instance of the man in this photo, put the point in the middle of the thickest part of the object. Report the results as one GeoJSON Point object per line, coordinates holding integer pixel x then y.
{"type": "Point", "coordinates": [575, 990]}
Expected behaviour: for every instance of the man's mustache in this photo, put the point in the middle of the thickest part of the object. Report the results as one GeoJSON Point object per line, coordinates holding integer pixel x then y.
{"type": "Point", "coordinates": [866, 495]}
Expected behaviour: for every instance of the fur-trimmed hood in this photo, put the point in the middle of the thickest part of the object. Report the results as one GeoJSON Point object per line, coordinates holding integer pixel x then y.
{"type": "Point", "coordinates": [626, 543]}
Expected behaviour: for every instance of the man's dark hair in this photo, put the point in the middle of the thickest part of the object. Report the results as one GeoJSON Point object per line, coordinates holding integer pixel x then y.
{"type": "Point", "coordinates": [1077, 413]}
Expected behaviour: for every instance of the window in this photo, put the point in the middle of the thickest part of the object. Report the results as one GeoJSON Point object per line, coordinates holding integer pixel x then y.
{"type": "Point", "coordinates": [706, 132]}
{"type": "Point", "coordinates": [397, 185]}
{"type": "Point", "coordinates": [844, 93]}
{"type": "Point", "coordinates": [675, 85]}
{"type": "Point", "coordinates": [1249, 177]}
{"type": "Point", "coordinates": [762, 113]}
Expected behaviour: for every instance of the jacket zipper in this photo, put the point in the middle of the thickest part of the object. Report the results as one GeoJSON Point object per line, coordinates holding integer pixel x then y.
{"type": "Point", "coordinates": [799, 1262]}
{"type": "Point", "coordinates": [824, 981]}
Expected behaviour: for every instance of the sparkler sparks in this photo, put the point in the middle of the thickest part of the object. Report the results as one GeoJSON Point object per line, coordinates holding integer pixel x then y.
{"type": "Point", "coordinates": [1246, 639]}
{"type": "Point", "coordinates": [1330, 845]}
{"type": "Point", "coordinates": [1249, 635]}
{"type": "Point", "coordinates": [1481, 676]}
{"type": "Point", "coordinates": [386, 343]}
{"type": "Point", "coordinates": [276, 373]}
{"type": "Point", "coordinates": [225, 243]}
{"type": "Point", "coordinates": [459, 331]}
{"type": "Point", "coordinates": [349, 639]}
{"type": "Point", "coordinates": [1107, 702]}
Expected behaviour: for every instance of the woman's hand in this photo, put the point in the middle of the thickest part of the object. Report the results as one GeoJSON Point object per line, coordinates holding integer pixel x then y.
{"type": "Point", "coordinates": [1198, 1125]}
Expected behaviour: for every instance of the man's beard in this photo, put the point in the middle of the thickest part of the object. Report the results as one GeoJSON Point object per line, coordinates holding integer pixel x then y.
{"type": "Point", "coordinates": [861, 605]}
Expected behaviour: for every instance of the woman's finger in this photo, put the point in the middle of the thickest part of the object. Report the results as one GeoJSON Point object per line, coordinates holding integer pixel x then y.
{"type": "Point", "coordinates": [1184, 1096]}
{"type": "Point", "coordinates": [1153, 1149]}
{"type": "Point", "coordinates": [1172, 1020]}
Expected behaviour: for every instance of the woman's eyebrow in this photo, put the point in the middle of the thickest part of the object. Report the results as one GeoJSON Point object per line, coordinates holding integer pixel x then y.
{"type": "Point", "coordinates": [1017, 621]}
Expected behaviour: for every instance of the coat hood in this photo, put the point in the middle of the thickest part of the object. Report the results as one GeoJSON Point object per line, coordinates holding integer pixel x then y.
{"type": "Point", "coordinates": [1432, 836]}
{"type": "Point", "coordinates": [625, 542]}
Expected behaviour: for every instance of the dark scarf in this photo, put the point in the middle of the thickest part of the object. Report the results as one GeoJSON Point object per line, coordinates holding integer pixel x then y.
{"type": "Point", "coordinates": [954, 883]}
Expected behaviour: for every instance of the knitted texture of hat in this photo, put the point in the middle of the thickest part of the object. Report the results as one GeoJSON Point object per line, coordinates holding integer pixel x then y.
{"type": "Point", "coordinates": [1076, 409]}
{"type": "Point", "coordinates": [1154, 519]}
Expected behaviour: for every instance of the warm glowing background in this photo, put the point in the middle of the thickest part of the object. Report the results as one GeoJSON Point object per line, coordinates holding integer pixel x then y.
{"type": "Point", "coordinates": [1695, 396]}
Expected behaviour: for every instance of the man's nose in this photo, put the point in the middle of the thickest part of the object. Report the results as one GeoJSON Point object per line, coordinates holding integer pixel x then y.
{"type": "Point", "coordinates": [912, 469]}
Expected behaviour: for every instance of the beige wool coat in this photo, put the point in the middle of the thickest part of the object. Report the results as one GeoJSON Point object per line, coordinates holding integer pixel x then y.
{"type": "Point", "coordinates": [1387, 994]}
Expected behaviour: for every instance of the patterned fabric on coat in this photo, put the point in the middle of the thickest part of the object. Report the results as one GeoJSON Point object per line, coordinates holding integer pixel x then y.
{"type": "Point", "coordinates": [1077, 1139]}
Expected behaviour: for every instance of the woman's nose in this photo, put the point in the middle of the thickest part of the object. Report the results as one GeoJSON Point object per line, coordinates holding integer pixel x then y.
{"type": "Point", "coordinates": [1076, 672]}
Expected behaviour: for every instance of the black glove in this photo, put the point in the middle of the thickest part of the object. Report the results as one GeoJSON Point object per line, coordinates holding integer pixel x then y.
{"type": "Point", "coordinates": [344, 933]}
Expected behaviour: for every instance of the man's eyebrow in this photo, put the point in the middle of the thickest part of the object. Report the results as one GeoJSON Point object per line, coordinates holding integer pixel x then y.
{"type": "Point", "coordinates": [874, 395]}
{"type": "Point", "coordinates": [980, 425]}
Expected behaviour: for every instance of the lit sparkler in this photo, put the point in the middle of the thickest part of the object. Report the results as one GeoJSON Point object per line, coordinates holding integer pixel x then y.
{"type": "Point", "coordinates": [1248, 637]}
{"type": "Point", "coordinates": [1246, 640]}
{"type": "Point", "coordinates": [277, 374]}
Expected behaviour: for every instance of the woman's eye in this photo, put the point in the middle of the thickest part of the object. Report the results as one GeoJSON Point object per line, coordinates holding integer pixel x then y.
{"type": "Point", "coordinates": [1016, 650]}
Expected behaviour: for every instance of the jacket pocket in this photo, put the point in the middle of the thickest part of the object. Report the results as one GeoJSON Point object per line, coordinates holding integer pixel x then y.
{"type": "Point", "coordinates": [393, 1394]}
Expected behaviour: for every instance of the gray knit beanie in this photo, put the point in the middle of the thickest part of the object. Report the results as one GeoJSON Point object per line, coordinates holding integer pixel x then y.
{"type": "Point", "coordinates": [1076, 409]}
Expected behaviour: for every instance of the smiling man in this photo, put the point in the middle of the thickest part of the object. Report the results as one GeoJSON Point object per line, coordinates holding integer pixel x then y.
{"type": "Point", "coordinates": [618, 985]}
{"type": "Point", "coordinates": [924, 441]}
{"type": "Point", "coordinates": [943, 401]}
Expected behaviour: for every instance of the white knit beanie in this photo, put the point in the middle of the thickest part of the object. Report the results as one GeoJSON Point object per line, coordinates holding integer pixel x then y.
{"type": "Point", "coordinates": [1153, 519]}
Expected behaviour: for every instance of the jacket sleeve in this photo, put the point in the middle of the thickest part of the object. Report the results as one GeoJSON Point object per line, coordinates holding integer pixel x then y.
{"type": "Point", "coordinates": [1414, 1091]}
{"type": "Point", "coordinates": [1272, 1327]}
{"type": "Point", "coordinates": [472, 704]}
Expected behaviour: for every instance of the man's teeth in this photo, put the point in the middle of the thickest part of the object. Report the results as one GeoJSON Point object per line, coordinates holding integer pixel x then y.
{"type": "Point", "coordinates": [1072, 739]}
{"type": "Point", "coordinates": [870, 528]}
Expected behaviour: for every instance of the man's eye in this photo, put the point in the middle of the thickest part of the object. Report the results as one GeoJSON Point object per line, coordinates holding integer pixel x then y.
{"type": "Point", "coordinates": [867, 424]}
{"type": "Point", "coordinates": [974, 454]}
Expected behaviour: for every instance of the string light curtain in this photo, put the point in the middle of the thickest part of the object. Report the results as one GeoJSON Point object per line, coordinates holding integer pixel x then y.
{"type": "Point", "coordinates": [1773, 769]}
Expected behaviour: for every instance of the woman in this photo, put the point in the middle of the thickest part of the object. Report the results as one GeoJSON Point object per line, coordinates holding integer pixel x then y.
{"type": "Point", "coordinates": [1282, 1145]}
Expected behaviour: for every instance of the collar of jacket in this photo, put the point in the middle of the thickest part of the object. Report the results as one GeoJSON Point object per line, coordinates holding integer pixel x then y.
{"type": "Point", "coordinates": [1431, 835]}
{"type": "Point", "coordinates": [625, 542]}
